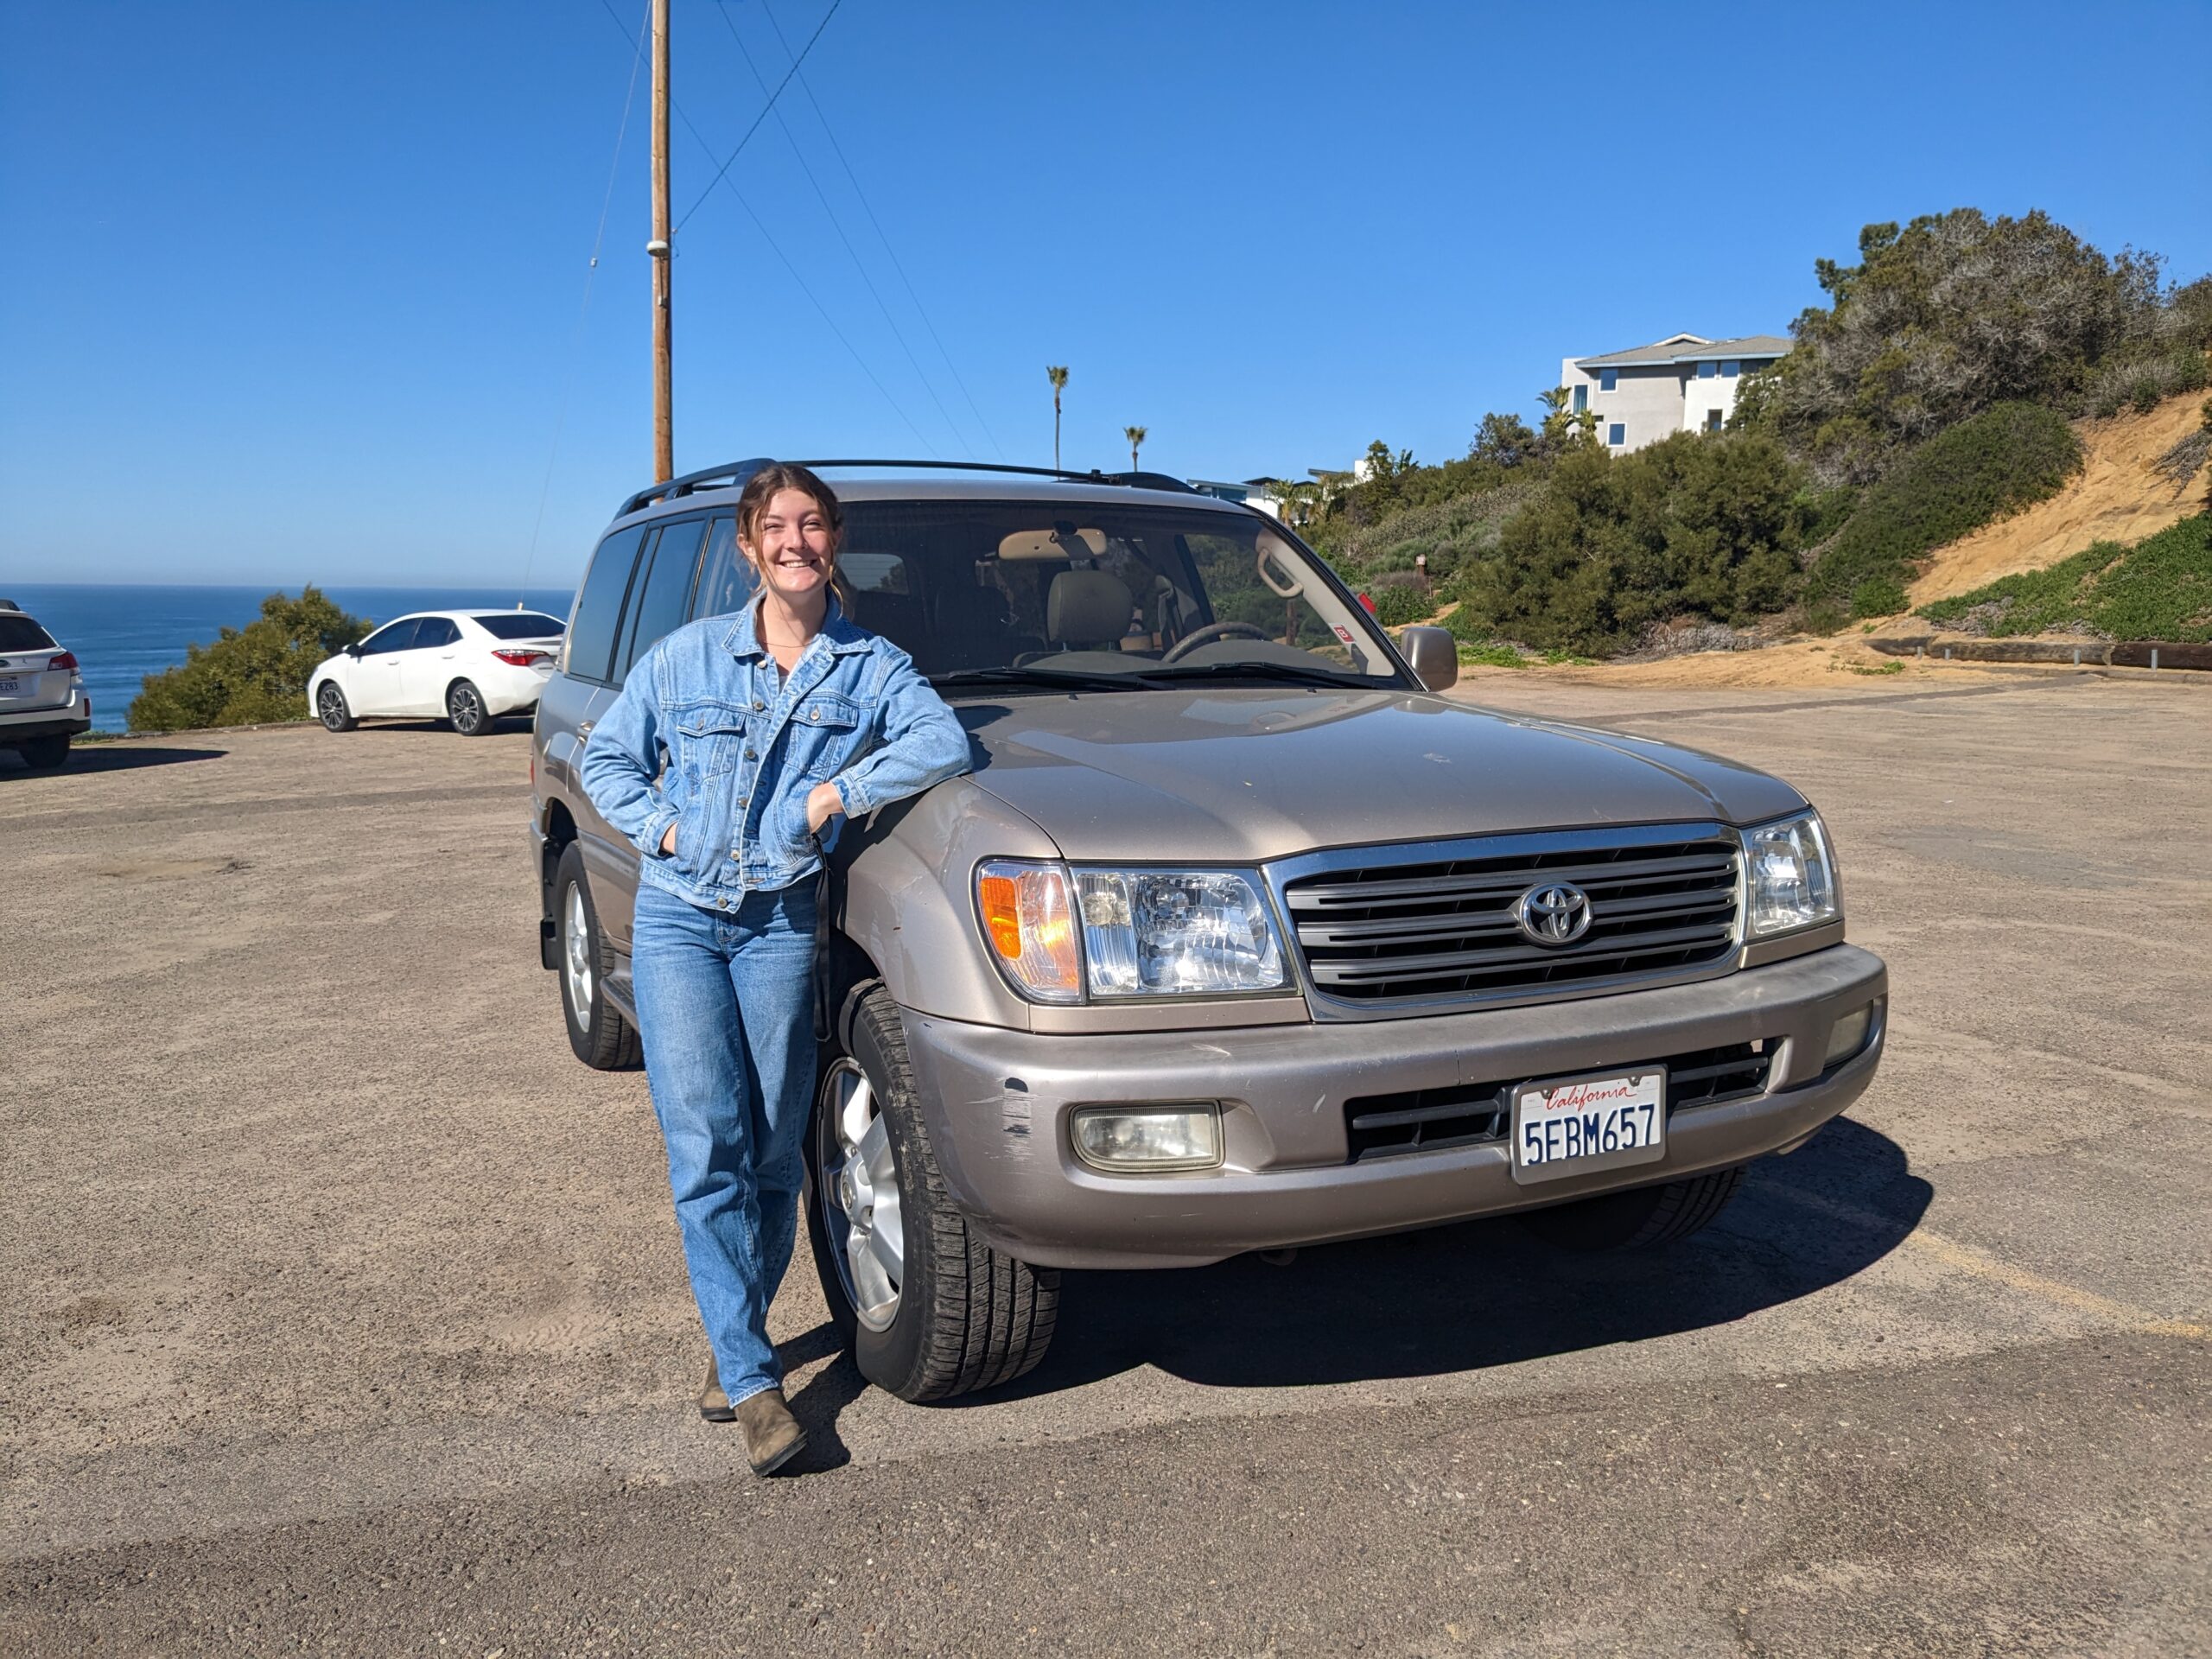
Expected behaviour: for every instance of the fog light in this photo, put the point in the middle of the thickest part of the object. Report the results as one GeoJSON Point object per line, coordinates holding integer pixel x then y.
{"type": "Point", "coordinates": [1848, 1036]}
{"type": "Point", "coordinates": [1123, 1138]}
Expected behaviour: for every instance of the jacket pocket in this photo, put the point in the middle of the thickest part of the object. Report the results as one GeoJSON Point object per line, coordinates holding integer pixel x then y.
{"type": "Point", "coordinates": [710, 739]}
{"type": "Point", "coordinates": [827, 731]}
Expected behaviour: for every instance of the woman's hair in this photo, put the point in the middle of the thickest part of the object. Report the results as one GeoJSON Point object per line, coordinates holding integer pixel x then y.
{"type": "Point", "coordinates": [762, 488]}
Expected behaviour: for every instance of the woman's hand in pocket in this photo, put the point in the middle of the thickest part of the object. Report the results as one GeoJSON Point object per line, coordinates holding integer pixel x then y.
{"type": "Point", "coordinates": [823, 803]}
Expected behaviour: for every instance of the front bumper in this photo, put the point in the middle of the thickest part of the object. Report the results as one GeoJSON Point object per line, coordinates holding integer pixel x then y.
{"type": "Point", "coordinates": [998, 1104]}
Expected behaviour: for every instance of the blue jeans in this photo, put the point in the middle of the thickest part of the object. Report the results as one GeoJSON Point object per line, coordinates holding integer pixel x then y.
{"type": "Point", "coordinates": [725, 1012]}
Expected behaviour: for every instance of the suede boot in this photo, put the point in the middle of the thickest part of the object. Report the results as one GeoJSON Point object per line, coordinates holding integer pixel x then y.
{"type": "Point", "coordinates": [772, 1436]}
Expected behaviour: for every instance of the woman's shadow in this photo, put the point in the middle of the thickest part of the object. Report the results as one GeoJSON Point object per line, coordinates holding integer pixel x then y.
{"type": "Point", "coordinates": [1452, 1299]}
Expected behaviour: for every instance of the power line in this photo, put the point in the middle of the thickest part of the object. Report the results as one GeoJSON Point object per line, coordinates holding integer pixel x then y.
{"type": "Point", "coordinates": [854, 179]}
{"type": "Point", "coordinates": [692, 127]}
{"type": "Point", "coordinates": [591, 274]}
{"type": "Point", "coordinates": [836, 225]}
{"type": "Point", "coordinates": [722, 171]}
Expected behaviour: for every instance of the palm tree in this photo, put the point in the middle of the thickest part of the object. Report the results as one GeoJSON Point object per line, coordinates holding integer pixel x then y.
{"type": "Point", "coordinates": [1135, 436]}
{"type": "Point", "coordinates": [1058, 377]}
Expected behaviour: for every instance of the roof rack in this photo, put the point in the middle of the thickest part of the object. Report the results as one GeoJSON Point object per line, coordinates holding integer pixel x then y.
{"type": "Point", "coordinates": [737, 472]}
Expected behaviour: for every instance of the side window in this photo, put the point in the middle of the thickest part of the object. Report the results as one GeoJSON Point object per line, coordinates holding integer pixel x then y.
{"type": "Point", "coordinates": [398, 636]}
{"type": "Point", "coordinates": [1706, 370]}
{"type": "Point", "coordinates": [598, 606]}
{"type": "Point", "coordinates": [1616, 434]}
{"type": "Point", "coordinates": [434, 631]}
{"type": "Point", "coordinates": [657, 603]}
{"type": "Point", "coordinates": [726, 580]}
{"type": "Point", "coordinates": [1608, 379]}
{"type": "Point", "coordinates": [1581, 398]}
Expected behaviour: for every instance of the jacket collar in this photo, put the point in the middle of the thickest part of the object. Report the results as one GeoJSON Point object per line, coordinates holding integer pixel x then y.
{"type": "Point", "coordinates": [743, 640]}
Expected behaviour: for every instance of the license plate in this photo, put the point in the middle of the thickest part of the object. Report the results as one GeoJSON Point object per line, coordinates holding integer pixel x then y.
{"type": "Point", "coordinates": [1571, 1125]}
{"type": "Point", "coordinates": [8, 688]}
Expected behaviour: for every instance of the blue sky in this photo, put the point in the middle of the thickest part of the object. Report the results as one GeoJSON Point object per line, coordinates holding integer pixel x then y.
{"type": "Point", "coordinates": [292, 291]}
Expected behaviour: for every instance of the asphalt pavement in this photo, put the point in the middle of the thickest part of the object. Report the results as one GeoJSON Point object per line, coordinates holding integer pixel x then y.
{"type": "Point", "coordinates": [345, 1311]}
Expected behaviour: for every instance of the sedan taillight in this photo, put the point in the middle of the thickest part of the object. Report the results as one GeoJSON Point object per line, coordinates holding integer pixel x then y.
{"type": "Point", "coordinates": [523, 658]}
{"type": "Point", "coordinates": [64, 664]}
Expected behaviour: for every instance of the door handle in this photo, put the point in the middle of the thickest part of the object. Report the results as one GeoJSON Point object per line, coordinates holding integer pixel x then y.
{"type": "Point", "coordinates": [583, 730]}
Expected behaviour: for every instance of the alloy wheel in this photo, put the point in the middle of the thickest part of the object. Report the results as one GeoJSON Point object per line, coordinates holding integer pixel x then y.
{"type": "Point", "coordinates": [576, 953]}
{"type": "Point", "coordinates": [330, 703]}
{"type": "Point", "coordinates": [465, 708]}
{"type": "Point", "coordinates": [860, 1196]}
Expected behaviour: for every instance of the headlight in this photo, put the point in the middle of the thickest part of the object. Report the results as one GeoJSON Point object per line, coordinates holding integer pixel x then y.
{"type": "Point", "coordinates": [1144, 933]}
{"type": "Point", "coordinates": [1789, 877]}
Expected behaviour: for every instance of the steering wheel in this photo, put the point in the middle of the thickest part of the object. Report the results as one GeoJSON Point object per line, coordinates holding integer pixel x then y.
{"type": "Point", "coordinates": [1190, 641]}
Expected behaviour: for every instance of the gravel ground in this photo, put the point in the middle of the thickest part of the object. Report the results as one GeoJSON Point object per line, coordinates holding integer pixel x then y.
{"type": "Point", "coordinates": [346, 1309]}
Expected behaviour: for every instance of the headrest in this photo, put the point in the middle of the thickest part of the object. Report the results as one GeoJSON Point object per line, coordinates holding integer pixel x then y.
{"type": "Point", "coordinates": [1087, 608]}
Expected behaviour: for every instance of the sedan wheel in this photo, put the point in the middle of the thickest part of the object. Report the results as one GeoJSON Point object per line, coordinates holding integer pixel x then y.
{"type": "Point", "coordinates": [860, 1197]}
{"type": "Point", "coordinates": [465, 708]}
{"type": "Point", "coordinates": [331, 709]}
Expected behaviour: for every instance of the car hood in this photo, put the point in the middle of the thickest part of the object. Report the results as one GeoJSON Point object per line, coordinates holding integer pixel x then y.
{"type": "Point", "coordinates": [1241, 776]}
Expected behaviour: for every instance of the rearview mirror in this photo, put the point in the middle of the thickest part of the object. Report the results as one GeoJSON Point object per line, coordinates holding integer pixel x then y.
{"type": "Point", "coordinates": [1433, 656]}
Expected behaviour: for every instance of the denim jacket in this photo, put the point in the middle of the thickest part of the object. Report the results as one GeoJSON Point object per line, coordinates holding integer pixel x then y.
{"type": "Point", "coordinates": [704, 737]}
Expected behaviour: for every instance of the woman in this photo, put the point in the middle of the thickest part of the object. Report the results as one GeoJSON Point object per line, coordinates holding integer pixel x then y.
{"type": "Point", "coordinates": [736, 745]}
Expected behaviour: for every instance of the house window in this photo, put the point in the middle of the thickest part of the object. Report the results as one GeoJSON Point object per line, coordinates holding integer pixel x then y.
{"type": "Point", "coordinates": [1581, 398]}
{"type": "Point", "coordinates": [1729, 371]}
{"type": "Point", "coordinates": [1712, 420]}
{"type": "Point", "coordinates": [1705, 371]}
{"type": "Point", "coordinates": [1608, 379]}
{"type": "Point", "coordinates": [1616, 434]}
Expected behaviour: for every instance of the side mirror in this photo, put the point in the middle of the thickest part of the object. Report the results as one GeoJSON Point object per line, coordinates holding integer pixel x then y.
{"type": "Point", "coordinates": [1433, 656]}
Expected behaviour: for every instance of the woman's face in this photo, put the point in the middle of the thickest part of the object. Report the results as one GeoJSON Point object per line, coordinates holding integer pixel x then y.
{"type": "Point", "coordinates": [795, 551]}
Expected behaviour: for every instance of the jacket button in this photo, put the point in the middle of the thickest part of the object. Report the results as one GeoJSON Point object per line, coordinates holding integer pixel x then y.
{"type": "Point", "coordinates": [733, 852]}
{"type": "Point", "coordinates": [751, 756]}
{"type": "Point", "coordinates": [758, 705]}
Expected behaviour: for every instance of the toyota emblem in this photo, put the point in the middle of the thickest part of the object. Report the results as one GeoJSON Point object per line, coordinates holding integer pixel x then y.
{"type": "Point", "coordinates": [1555, 913]}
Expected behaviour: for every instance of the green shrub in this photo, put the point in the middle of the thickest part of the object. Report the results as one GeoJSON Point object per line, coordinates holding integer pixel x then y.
{"type": "Point", "coordinates": [1999, 461]}
{"type": "Point", "coordinates": [1691, 525]}
{"type": "Point", "coordinates": [1492, 657]}
{"type": "Point", "coordinates": [250, 675]}
{"type": "Point", "coordinates": [1396, 606]}
{"type": "Point", "coordinates": [1880, 597]}
{"type": "Point", "coordinates": [2160, 588]}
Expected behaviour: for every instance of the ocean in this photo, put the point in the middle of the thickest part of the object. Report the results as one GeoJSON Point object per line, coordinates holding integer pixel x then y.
{"type": "Point", "coordinates": [122, 634]}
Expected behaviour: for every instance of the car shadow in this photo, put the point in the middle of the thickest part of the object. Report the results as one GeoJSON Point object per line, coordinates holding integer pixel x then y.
{"type": "Point", "coordinates": [1481, 1293]}
{"type": "Point", "coordinates": [107, 757]}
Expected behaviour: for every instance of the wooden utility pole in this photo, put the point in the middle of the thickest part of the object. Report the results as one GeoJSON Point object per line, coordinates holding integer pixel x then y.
{"type": "Point", "coordinates": [660, 252]}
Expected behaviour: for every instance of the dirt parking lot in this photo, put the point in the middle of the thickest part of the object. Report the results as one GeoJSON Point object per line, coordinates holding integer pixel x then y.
{"type": "Point", "coordinates": [344, 1309]}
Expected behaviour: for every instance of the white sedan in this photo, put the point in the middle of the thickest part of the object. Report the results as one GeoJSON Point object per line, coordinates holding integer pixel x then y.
{"type": "Point", "coordinates": [471, 667]}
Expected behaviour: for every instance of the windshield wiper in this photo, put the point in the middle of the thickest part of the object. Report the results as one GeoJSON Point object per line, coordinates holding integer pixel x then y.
{"type": "Point", "coordinates": [1287, 673]}
{"type": "Point", "coordinates": [1037, 676]}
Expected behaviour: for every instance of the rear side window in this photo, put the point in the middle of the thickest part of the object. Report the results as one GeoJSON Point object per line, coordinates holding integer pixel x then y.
{"type": "Point", "coordinates": [435, 630]}
{"type": "Point", "coordinates": [19, 633]}
{"type": "Point", "coordinates": [661, 597]}
{"type": "Point", "coordinates": [598, 606]}
{"type": "Point", "coordinates": [725, 581]}
{"type": "Point", "coordinates": [520, 624]}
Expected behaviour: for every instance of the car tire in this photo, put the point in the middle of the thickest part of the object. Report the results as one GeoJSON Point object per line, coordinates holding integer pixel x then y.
{"type": "Point", "coordinates": [1639, 1218]}
{"type": "Point", "coordinates": [964, 1316]}
{"type": "Point", "coordinates": [602, 1038]}
{"type": "Point", "coordinates": [465, 710]}
{"type": "Point", "coordinates": [332, 709]}
{"type": "Point", "coordinates": [46, 753]}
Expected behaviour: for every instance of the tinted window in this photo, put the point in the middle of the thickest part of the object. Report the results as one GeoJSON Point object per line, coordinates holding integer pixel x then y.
{"type": "Point", "coordinates": [519, 625]}
{"type": "Point", "coordinates": [397, 636]}
{"type": "Point", "coordinates": [1617, 433]}
{"type": "Point", "coordinates": [1705, 371]}
{"type": "Point", "coordinates": [598, 606]}
{"type": "Point", "coordinates": [1729, 371]}
{"type": "Point", "coordinates": [1608, 379]}
{"type": "Point", "coordinates": [435, 630]}
{"type": "Point", "coordinates": [726, 582]}
{"type": "Point", "coordinates": [657, 605]}
{"type": "Point", "coordinates": [20, 633]}
{"type": "Point", "coordinates": [1581, 398]}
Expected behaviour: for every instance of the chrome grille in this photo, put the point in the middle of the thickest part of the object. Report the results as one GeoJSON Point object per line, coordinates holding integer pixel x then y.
{"type": "Point", "coordinates": [1443, 929]}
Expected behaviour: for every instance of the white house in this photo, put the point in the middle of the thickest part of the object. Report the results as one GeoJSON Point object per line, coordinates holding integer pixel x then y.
{"type": "Point", "coordinates": [1684, 382]}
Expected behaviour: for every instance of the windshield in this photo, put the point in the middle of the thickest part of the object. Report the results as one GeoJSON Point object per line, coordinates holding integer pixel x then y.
{"type": "Point", "coordinates": [1001, 592]}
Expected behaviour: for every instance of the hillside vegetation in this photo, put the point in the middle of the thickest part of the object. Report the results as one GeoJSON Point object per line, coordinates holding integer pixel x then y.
{"type": "Point", "coordinates": [2160, 588]}
{"type": "Point", "coordinates": [1932, 395]}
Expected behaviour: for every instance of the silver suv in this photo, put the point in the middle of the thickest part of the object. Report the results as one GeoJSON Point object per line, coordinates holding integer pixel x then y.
{"type": "Point", "coordinates": [1238, 936]}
